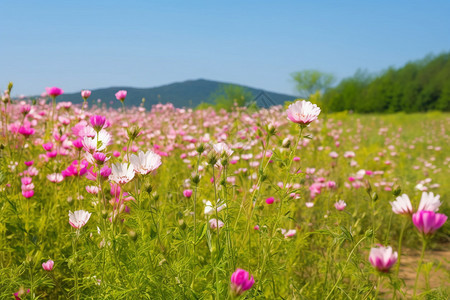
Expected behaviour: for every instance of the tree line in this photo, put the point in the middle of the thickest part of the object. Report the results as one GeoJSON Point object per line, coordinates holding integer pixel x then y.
{"type": "Point", "coordinates": [421, 85]}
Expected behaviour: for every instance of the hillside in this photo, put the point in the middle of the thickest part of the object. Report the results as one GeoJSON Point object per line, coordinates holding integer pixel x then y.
{"type": "Point", "coordinates": [181, 94]}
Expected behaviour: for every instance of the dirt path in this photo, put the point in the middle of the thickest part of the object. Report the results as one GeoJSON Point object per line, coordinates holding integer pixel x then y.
{"type": "Point", "coordinates": [439, 275]}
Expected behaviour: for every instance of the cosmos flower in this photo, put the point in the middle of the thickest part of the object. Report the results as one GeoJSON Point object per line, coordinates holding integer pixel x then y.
{"type": "Point", "coordinates": [303, 112]}
{"type": "Point", "coordinates": [429, 202]}
{"type": "Point", "coordinates": [382, 258]}
{"type": "Point", "coordinates": [402, 205]}
{"type": "Point", "coordinates": [427, 222]}
{"type": "Point", "coordinates": [79, 218]}
{"type": "Point", "coordinates": [121, 173]}
{"type": "Point", "coordinates": [241, 282]}
{"type": "Point", "coordinates": [145, 163]}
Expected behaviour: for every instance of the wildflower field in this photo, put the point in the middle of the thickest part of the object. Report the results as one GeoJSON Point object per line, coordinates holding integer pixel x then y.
{"type": "Point", "coordinates": [171, 203]}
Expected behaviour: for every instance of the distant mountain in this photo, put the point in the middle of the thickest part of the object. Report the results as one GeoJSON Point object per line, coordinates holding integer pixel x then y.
{"type": "Point", "coordinates": [189, 93]}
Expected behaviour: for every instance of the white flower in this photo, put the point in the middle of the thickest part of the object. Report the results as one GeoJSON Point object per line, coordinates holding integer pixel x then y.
{"type": "Point", "coordinates": [303, 112]}
{"type": "Point", "coordinates": [209, 208]}
{"type": "Point", "coordinates": [98, 143]}
{"type": "Point", "coordinates": [78, 218]}
{"type": "Point", "coordinates": [429, 202]}
{"type": "Point", "coordinates": [402, 205]}
{"type": "Point", "coordinates": [121, 173]}
{"type": "Point", "coordinates": [55, 177]}
{"type": "Point", "coordinates": [221, 148]}
{"type": "Point", "coordinates": [145, 163]}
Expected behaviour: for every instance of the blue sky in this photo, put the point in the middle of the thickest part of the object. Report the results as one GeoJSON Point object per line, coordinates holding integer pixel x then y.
{"type": "Point", "coordinates": [89, 44]}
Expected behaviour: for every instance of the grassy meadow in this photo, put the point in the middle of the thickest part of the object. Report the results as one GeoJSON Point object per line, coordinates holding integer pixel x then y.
{"type": "Point", "coordinates": [274, 187]}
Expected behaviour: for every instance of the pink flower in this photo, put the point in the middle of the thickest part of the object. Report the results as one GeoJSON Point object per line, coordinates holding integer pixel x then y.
{"type": "Point", "coordinates": [26, 180]}
{"type": "Point", "coordinates": [85, 94]}
{"type": "Point", "coordinates": [382, 258]}
{"type": "Point", "coordinates": [288, 233]}
{"type": "Point", "coordinates": [334, 154]}
{"type": "Point", "coordinates": [47, 146]}
{"type": "Point", "coordinates": [241, 282]}
{"type": "Point", "coordinates": [303, 112]}
{"type": "Point", "coordinates": [48, 265]}
{"type": "Point", "coordinates": [270, 200]}
{"type": "Point", "coordinates": [340, 205]}
{"type": "Point", "coordinates": [29, 163]}
{"type": "Point", "coordinates": [28, 193]}
{"type": "Point", "coordinates": [25, 109]}
{"type": "Point", "coordinates": [187, 193]}
{"type": "Point", "coordinates": [54, 91]}
{"type": "Point", "coordinates": [121, 95]}
{"type": "Point", "coordinates": [92, 189]}
{"type": "Point", "coordinates": [78, 218]}
{"type": "Point", "coordinates": [213, 224]}
{"type": "Point", "coordinates": [428, 222]}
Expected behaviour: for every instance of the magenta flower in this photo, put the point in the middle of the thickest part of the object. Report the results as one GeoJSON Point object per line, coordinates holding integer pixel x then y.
{"type": "Point", "coordinates": [241, 282]}
{"type": "Point", "coordinates": [382, 258]}
{"type": "Point", "coordinates": [78, 143]}
{"type": "Point", "coordinates": [48, 265]}
{"type": "Point", "coordinates": [26, 131]}
{"type": "Point", "coordinates": [100, 157]}
{"type": "Point", "coordinates": [121, 95]}
{"type": "Point", "coordinates": [105, 171]}
{"type": "Point", "coordinates": [427, 222]}
{"type": "Point", "coordinates": [187, 193]}
{"type": "Point", "coordinates": [98, 122]}
{"type": "Point", "coordinates": [85, 94]}
{"type": "Point", "coordinates": [78, 218]}
{"type": "Point", "coordinates": [54, 91]}
{"type": "Point", "coordinates": [47, 146]}
{"type": "Point", "coordinates": [29, 163]}
{"type": "Point", "coordinates": [270, 200]}
{"type": "Point", "coordinates": [303, 112]}
{"type": "Point", "coordinates": [28, 193]}
{"type": "Point", "coordinates": [25, 109]}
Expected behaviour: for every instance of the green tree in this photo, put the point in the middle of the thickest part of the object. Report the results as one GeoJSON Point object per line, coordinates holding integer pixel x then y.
{"type": "Point", "coordinates": [230, 95]}
{"type": "Point", "coordinates": [310, 81]}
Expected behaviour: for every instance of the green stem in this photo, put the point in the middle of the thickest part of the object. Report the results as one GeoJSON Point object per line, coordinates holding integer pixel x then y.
{"type": "Point", "coordinates": [74, 246]}
{"type": "Point", "coordinates": [378, 287]}
{"type": "Point", "coordinates": [343, 269]}
{"type": "Point", "coordinates": [424, 244]}
{"type": "Point", "coordinates": [405, 222]}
